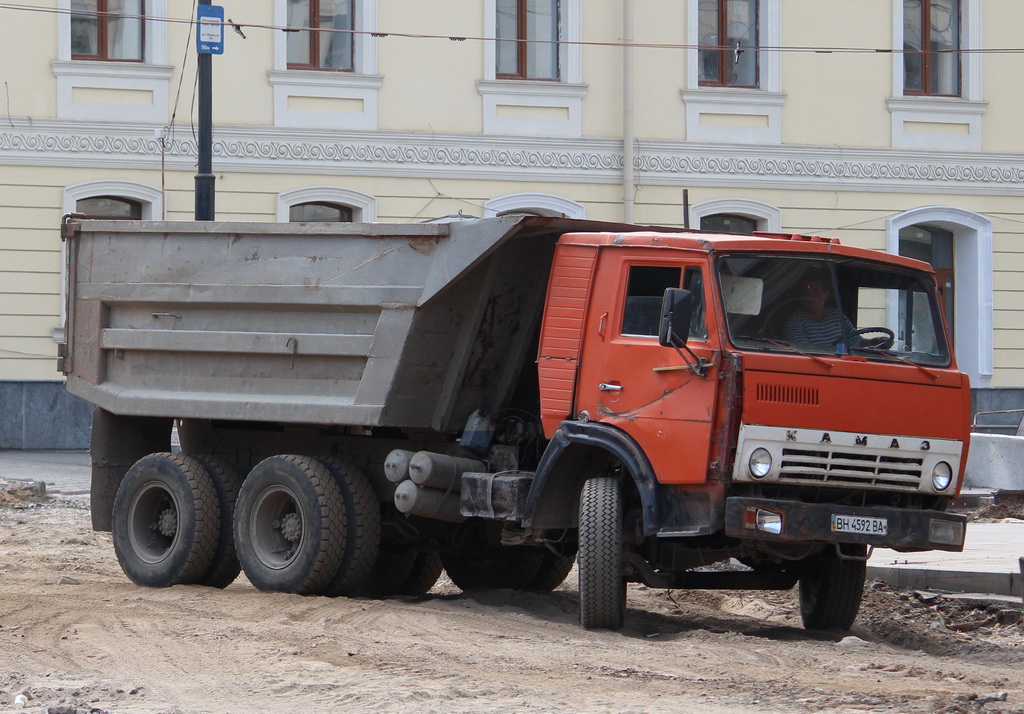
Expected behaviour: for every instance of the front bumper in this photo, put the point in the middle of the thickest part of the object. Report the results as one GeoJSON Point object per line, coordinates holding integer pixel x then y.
{"type": "Point", "coordinates": [797, 522]}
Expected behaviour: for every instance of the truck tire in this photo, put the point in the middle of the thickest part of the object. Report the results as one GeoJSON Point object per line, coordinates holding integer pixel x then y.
{"type": "Point", "coordinates": [391, 570]}
{"type": "Point", "coordinates": [290, 525]}
{"type": "Point", "coordinates": [553, 571]}
{"type": "Point", "coordinates": [165, 521]}
{"type": "Point", "coordinates": [601, 580]}
{"type": "Point", "coordinates": [830, 592]}
{"type": "Point", "coordinates": [500, 567]}
{"type": "Point", "coordinates": [426, 569]}
{"type": "Point", "coordinates": [227, 482]}
{"type": "Point", "coordinates": [362, 533]}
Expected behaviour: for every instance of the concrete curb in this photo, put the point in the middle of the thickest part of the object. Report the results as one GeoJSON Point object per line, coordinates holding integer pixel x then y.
{"type": "Point", "coordinates": [959, 581]}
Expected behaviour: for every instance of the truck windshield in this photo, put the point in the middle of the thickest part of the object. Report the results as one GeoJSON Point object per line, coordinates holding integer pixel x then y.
{"type": "Point", "coordinates": [831, 307]}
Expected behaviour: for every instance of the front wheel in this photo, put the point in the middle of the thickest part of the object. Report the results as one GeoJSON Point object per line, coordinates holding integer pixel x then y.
{"type": "Point", "coordinates": [600, 560]}
{"type": "Point", "coordinates": [830, 591]}
{"type": "Point", "coordinates": [166, 521]}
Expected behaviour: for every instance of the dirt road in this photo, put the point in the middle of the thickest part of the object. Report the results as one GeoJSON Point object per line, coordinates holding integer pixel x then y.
{"type": "Point", "coordinates": [75, 633]}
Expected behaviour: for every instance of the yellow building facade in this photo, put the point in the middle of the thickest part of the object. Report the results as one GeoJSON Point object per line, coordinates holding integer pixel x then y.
{"type": "Point", "coordinates": [890, 124]}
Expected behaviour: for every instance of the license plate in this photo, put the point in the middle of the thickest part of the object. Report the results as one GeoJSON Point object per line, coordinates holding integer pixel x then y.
{"type": "Point", "coordinates": [863, 525]}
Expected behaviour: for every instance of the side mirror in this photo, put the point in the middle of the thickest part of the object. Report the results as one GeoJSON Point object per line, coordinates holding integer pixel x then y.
{"type": "Point", "coordinates": [676, 312]}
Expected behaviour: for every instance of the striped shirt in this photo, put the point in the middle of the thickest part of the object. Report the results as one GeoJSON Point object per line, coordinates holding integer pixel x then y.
{"type": "Point", "coordinates": [802, 328]}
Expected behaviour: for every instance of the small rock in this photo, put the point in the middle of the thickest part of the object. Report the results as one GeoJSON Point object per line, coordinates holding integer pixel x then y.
{"type": "Point", "coordinates": [989, 698]}
{"type": "Point", "coordinates": [68, 580]}
{"type": "Point", "coordinates": [850, 641]}
{"type": "Point", "coordinates": [925, 596]}
{"type": "Point", "coordinates": [1010, 616]}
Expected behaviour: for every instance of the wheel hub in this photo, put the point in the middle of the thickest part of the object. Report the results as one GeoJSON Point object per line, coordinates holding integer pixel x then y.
{"type": "Point", "coordinates": [291, 527]}
{"type": "Point", "coordinates": [166, 523]}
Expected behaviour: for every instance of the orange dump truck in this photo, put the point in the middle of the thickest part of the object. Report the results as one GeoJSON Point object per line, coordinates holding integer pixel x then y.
{"type": "Point", "coordinates": [362, 405]}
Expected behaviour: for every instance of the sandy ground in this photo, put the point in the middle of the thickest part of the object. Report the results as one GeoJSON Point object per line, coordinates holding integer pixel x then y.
{"type": "Point", "coordinates": [76, 635]}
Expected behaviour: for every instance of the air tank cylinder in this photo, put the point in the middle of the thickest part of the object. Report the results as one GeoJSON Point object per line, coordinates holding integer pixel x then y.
{"type": "Point", "coordinates": [416, 500]}
{"type": "Point", "coordinates": [440, 470]}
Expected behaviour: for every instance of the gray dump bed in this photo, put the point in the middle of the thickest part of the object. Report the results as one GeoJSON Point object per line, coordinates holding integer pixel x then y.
{"type": "Point", "coordinates": [319, 323]}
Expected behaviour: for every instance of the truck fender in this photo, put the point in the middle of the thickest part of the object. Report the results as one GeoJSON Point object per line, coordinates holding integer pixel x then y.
{"type": "Point", "coordinates": [575, 453]}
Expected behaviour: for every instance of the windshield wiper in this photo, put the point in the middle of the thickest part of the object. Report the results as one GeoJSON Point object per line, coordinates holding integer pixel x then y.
{"type": "Point", "coordinates": [784, 346]}
{"type": "Point", "coordinates": [874, 351]}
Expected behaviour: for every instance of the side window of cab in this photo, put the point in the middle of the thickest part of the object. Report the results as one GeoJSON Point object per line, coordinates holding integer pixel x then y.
{"type": "Point", "coordinates": [644, 290]}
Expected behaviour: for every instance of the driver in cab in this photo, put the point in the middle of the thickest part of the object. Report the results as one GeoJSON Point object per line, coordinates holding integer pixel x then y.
{"type": "Point", "coordinates": [819, 323]}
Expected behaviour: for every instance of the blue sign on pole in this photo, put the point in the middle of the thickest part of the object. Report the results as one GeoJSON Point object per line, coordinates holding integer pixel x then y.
{"type": "Point", "coordinates": [210, 38]}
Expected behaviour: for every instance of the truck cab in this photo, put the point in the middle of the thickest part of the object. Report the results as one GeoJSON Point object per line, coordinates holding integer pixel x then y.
{"type": "Point", "coordinates": [805, 409]}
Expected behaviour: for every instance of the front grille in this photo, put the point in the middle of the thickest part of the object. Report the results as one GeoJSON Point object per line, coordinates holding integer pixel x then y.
{"type": "Point", "coordinates": [787, 394]}
{"type": "Point", "coordinates": [845, 468]}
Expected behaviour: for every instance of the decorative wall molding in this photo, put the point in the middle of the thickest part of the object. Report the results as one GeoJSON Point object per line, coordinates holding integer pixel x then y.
{"type": "Point", "coordinates": [400, 154]}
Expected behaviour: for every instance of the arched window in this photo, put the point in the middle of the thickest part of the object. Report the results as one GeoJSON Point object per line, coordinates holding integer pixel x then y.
{"type": "Point", "coordinates": [107, 199]}
{"type": "Point", "coordinates": [326, 203]}
{"type": "Point", "coordinates": [109, 207]}
{"type": "Point", "coordinates": [319, 211]}
{"type": "Point", "coordinates": [728, 215]}
{"type": "Point", "coordinates": [728, 223]}
{"type": "Point", "coordinates": [960, 243]}
{"type": "Point", "coordinates": [537, 204]}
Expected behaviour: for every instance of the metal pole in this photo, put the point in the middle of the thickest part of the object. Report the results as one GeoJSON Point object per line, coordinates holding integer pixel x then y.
{"type": "Point", "coordinates": [628, 130]}
{"type": "Point", "coordinates": [205, 178]}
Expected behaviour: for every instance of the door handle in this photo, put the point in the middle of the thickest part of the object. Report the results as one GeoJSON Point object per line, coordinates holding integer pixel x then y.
{"type": "Point", "coordinates": [605, 387]}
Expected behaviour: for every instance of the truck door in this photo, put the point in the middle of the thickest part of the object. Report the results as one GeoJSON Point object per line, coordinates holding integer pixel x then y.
{"type": "Point", "coordinates": [628, 380]}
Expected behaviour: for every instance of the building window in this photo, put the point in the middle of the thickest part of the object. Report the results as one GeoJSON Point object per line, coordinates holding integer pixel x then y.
{"type": "Point", "coordinates": [931, 47]}
{"type": "Point", "coordinates": [326, 204]}
{"type": "Point", "coordinates": [953, 237]}
{"type": "Point", "coordinates": [108, 207]}
{"type": "Point", "coordinates": [329, 43]}
{"type": "Point", "coordinates": [734, 215]}
{"type": "Point", "coordinates": [934, 246]}
{"type": "Point", "coordinates": [728, 43]}
{"type": "Point", "coordinates": [319, 212]}
{"type": "Point", "coordinates": [527, 33]}
{"type": "Point", "coordinates": [108, 30]}
{"type": "Point", "coordinates": [537, 204]}
{"type": "Point", "coordinates": [728, 223]}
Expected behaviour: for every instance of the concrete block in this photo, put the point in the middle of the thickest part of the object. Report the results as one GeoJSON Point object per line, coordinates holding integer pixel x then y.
{"type": "Point", "coordinates": [995, 461]}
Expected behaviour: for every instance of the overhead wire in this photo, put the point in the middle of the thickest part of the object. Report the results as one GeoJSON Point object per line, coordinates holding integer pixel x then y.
{"type": "Point", "coordinates": [813, 49]}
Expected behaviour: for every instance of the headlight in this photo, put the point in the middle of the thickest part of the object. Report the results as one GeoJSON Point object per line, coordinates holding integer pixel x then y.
{"type": "Point", "coordinates": [942, 476]}
{"type": "Point", "coordinates": [760, 463]}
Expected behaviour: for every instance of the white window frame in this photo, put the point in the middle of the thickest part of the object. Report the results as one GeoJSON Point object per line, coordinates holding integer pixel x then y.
{"type": "Point", "coordinates": [348, 99]}
{"type": "Point", "coordinates": [767, 217]}
{"type": "Point", "coordinates": [151, 201]}
{"type": "Point", "coordinates": [133, 80]}
{"type": "Point", "coordinates": [544, 204]}
{"type": "Point", "coordinates": [957, 121]}
{"type": "Point", "coordinates": [509, 103]}
{"type": "Point", "coordinates": [736, 115]}
{"type": "Point", "coordinates": [972, 260]}
{"type": "Point", "coordinates": [364, 206]}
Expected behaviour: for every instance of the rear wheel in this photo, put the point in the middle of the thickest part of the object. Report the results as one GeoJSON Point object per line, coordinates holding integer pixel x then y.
{"type": "Point", "coordinates": [601, 580]}
{"type": "Point", "coordinates": [290, 525]}
{"type": "Point", "coordinates": [227, 482]}
{"type": "Point", "coordinates": [391, 569]}
{"type": "Point", "coordinates": [362, 534]}
{"type": "Point", "coordinates": [498, 567]}
{"type": "Point", "coordinates": [831, 589]}
{"type": "Point", "coordinates": [553, 570]}
{"type": "Point", "coordinates": [166, 521]}
{"type": "Point", "coordinates": [425, 571]}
